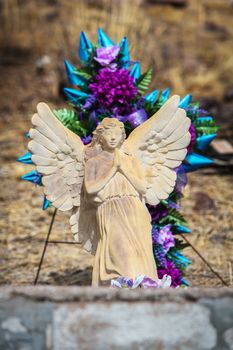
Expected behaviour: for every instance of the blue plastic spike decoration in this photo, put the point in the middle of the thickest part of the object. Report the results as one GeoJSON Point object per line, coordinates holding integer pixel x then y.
{"type": "Point", "coordinates": [85, 47]}
{"type": "Point", "coordinates": [103, 39]}
{"type": "Point", "coordinates": [185, 101]}
{"type": "Point", "coordinates": [182, 229]}
{"type": "Point", "coordinates": [181, 257]}
{"type": "Point", "coordinates": [165, 95]}
{"type": "Point", "coordinates": [183, 280]}
{"type": "Point", "coordinates": [46, 203]}
{"type": "Point", "coordinates": [205, 119]}
{"type": "Point", "coordinates": [125, 57]}
{"type": "Point", "coordinates": [152, 97]}
{"type": "Point", "coordinates": [33, 176]}
{"type": "Point", "coordinates": [196, 161]}
{"type": "Point", "coordinates": [136, 70]}
{"type": "Point", "coordinates": [202, 142]}
{"type": "Point", "coordinates": [73, 77]}
{"type": "Point", "coordinates": [75, 96]}
{"type": "Point", "coordinates": [26, 158]}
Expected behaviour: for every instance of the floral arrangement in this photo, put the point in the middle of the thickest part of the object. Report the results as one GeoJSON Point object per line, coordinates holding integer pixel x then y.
{"type": "Point", "coordinates": [109, 84]}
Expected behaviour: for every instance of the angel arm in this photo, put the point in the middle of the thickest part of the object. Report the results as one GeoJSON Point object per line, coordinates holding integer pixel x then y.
{"type": "Point", "coordinates": [135, 177]}
{"type": "Point", "coordinates": [94, 184]}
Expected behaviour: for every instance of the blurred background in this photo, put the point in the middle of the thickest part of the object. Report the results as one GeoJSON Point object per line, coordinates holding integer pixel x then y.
{"type": "Point", "coordinates": [189, 45]}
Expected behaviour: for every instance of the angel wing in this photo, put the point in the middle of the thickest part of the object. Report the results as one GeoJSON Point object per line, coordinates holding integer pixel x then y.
{"type": "Point", "coordinates": [58, 154]}
{"type": "Point", "coordinates": [160, 143]}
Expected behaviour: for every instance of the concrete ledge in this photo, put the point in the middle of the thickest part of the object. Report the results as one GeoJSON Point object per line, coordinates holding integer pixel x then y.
{"type": "Point", "coordinates": [60, 318]}
{"type": "Point", "coordinates": [59, 294]}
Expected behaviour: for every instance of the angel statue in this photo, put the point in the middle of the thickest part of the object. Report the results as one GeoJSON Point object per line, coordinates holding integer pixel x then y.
{"type": "Point", "coordinates": [108, 183]}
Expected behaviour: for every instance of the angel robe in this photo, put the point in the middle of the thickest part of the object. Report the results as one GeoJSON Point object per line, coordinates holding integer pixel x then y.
{"type": "Point", "coordinates": [124, 242]}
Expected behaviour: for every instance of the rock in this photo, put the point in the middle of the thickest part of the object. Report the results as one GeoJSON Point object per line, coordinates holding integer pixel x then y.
{"type": "Point", "coordinates": [203, 202]}
{"type": "Point", "coordinates": [228, 337]}
{"type": "Point", "coordinates": [132, 326]}
{"type": "Point", "coordinates": [42, 63]}
{"type": "Point", "coordinates": [13, 325]}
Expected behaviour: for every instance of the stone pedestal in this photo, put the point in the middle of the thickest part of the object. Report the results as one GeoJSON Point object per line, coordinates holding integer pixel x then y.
{"type": "Point", "coordinates": [73, 318]}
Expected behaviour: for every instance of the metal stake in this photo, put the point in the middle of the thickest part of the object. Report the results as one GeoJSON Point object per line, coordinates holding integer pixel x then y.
{"type": "Point", "coordinates": [205, 261]}
{"type": "Point", "coordinates": [45, 246]}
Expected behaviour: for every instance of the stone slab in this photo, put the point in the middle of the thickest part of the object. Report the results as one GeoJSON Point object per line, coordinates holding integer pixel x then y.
{"type": "Point", "coordinates": [73, 318]}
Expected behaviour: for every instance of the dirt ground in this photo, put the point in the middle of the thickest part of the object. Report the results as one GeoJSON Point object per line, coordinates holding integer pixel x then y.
{"type": "Point", "coordinates": [189, 49]}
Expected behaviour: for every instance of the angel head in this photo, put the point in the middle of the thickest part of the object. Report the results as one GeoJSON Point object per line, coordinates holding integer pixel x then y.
{"type": "Point", "coordinates": [109, 134]}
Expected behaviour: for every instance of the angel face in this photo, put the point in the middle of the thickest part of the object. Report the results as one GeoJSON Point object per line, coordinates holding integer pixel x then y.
{"type": "Point", "coordinates": [111, 138]}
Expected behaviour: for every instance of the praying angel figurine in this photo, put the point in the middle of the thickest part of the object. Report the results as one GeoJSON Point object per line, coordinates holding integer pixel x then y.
{"type": "Point", "coordinates": [108, 183]}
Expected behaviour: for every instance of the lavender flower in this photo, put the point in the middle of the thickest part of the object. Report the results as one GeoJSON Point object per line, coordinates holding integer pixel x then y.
{"type": "Point", "coordinates": [113, 89]}
{"type": "Point", "coordinates": [166, 238]}
{"type": "Point", "coordinates": [141, 281]}
{"type": "Point", "coordinates": [122, 282]}
{"type": "Point", "coordinates": [105, 56]}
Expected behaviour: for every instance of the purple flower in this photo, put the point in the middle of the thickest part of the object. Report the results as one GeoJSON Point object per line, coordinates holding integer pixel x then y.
{"type": "Point", "coordinates": [148, 282]}
{"type": "Point", "coordinates": [181, 180]}
{"type": "Point", "coordinates": [173, 205]}
{"type": "Point", "coordinates": [37, 179]}
{"type": "Point", "coordinates": [159, 255]}
{"type": "Point", "coordinates": [155, 234]}
{"type": "Point", "coordinates": [136, 118]}
{"type": "Point", "coordinates": [105, 56]}
{"type": "Point", "coordinates": [122, 282]}
{"type": "Point", "coordinates": [202, 112]}
{"type": "Point", "coordinates": [89, 102]}
{"type": "Point", "coordinates": [193, 137]}
{"type": "Point", "coordinates": [172, 271]}
{"type": "Point", "coordinates": [86, 139]}
{"type": "Point", "coordinates": [113, 88]}
{"type": "Point", "coordinates": [166, 238]}
{"type": "Point", "coordinates": [141, 281]}
{"type": "Point", "coordinates": [157, 212]}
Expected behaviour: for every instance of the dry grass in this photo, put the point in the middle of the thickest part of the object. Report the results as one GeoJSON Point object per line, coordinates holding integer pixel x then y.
{"type": "Point", "coordinates": [188, 48]}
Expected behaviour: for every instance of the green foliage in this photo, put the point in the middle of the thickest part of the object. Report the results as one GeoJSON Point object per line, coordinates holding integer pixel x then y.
{"type": "Point", "coordinates": [70, 120]}
{"type": "Point", "coordinates": [179, 244]}
{"type": "Point", "coordinates": [174, 217]}
{"type": "Point", "coordinates": [143, 82]}
{"type": "Point", "coordinates": [205, 127]}
{"type": "Point", "coordinates": [83, 72]}
{"type": "Point", "coordinates": [151, 109]}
